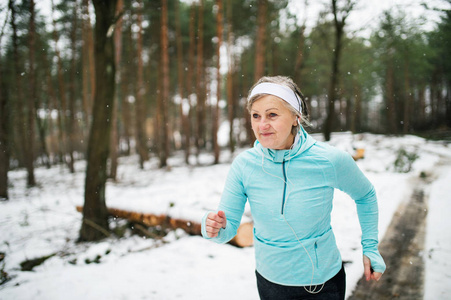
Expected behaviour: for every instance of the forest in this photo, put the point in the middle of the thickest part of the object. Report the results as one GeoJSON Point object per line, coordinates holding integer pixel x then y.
{"type": "Point", "coordinates": [97, 80]}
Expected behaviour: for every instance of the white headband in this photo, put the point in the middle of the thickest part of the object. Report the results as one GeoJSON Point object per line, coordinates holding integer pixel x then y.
{"type": "Point", "coordinates": [281, 91]}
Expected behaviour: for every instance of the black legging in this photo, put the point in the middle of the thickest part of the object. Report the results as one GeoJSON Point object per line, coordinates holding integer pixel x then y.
{"type": "Point", "coordinates": [334, 289]}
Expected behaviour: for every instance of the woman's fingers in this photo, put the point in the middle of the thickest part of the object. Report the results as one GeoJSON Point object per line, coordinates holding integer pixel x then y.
{"type": "Point", "coordinates": [368, 271]}
{"type": "Point", "coordinates": [214, 222]}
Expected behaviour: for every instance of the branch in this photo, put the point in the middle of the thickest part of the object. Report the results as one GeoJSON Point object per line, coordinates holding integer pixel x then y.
{"type": "Point", "coordinates": [96, 227]}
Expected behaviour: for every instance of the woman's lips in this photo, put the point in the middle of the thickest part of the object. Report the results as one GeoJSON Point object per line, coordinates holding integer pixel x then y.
{"type": "Point", "coordinates": [266, 134]}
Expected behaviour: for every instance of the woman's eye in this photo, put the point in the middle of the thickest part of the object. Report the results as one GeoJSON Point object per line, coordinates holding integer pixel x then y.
{"type": "Point", "coordinates": [272, 115]}
{"type": "Point", "coordinates": [255, 116]}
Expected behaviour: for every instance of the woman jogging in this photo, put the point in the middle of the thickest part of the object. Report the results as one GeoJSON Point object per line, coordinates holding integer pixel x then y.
{"type": "Point", "coordinates": [288, 179]}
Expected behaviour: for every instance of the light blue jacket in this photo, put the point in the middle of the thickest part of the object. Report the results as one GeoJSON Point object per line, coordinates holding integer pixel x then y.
{"type": "Point", "coordinates": [290, 193]}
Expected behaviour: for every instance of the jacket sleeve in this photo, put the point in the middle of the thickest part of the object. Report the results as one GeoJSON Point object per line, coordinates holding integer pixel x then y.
{"type": "Point", "coordinates": [351, 180]}
{"type": "Point", "coordinates": [233, 201]}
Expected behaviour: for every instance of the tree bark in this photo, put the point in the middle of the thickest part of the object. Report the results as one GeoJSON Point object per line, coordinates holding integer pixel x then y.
{"type": "Point", "coordinates": [62, 120]}
{"type": "Point", "coordinates": [200, 81]}
{"type": "Point", "coordinates": [95, 213]}
{"type": "Point", "coordinates": [31, 113]}
{"type": "Point", "coordinates": [357, 116]}
{"type": "Point", "coordinates": [71, 123]}
{"type": "Point", "coordinates": [140, 112]}
{"type": "Point", "coordinates": [260, 51]}
{"type": "Point", "coordinates": [128, 73]}
{"type": "Point", "coordinates": [88, 63]}
{"type": "Point", "coordinates": [407, 99]}
{"type": "Point", "coordinates": [300, 57]}
{"type": "Point", "coordinates": [219, 21]}
{"type": "Point", "coordinates": [164, 151]}
{"type": "Point", "coordinates": [230, 72]}
{"type": "Point", "coordinates": [189, 79]}
{"type": "Point", "coordinates": [5, 111]}
{"type": "Point", "coordinates": [260, 48]}
{"type": "Point", "coordinates": [21, 104]}
{"type": "Point", "coordinates": [390, 99]}
{"type": "Point", "coordinates": [117, 95]}
{"type": "Point", "coordinates": [184, 121]}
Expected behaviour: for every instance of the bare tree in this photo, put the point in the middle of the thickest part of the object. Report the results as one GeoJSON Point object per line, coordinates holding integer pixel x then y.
{"type": "Point", "coordinates": [340, 15]}
{"type": "Point", "coordinates": [95, 215]}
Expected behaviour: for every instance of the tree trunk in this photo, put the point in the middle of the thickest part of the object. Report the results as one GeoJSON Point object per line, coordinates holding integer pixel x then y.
{"type": "Point", "coordinates": [62, 120]}
{"type": "Point", "coordinates": [448, 103]}
{"type": "Point", "coordinates": [184, 121]}
{"type": "Point", "coordinates": [339, 24]}
{"type": "Point", "coordinates": [44, 124]}
{"type": "Point", "coordinates": [260, 63]}
{"type": "Point", "coordinates": [260, 48]}
{"type": "Point", "coordinates": [140, 115]}
{"type": "Point", "coordinates": [230, 72]}
{"type": "Point", "coordinates": [300, 56]}
{"type": "Point", "coordinates": [391, 107]}
{"type": "Point", "coordinates": [164, 152]}
{"type": "Point", "coordinates": [189, 79]}
{"type": "Point", "coordinates": [21, 106]}
{"type": "Point", "coordinates": [407, 99]}
{"type": "Point", "coordinates": [5, 111]}
{"type": "Point", "coordinates": [219, 20]}
{"type": "Point", "coordinates": [55, 146]}
{"type": "Point", "coordinates": [128, 73]}
{"type": "Point", "coordinates": [87, 66]}
{"type": "Point", "coordinates": [357, 117]}
{"type": "Point", "coordinates": [114, 126]}
{"type": "Point", "coordinates": [421, 105]}
{"type": "Point", "coordinates": [333, 85]}
{"type": "Point", "coordinates": [200, 81]}
{"type": "Point", "coordinates": [71, 123]}
{"type": "Point", "coordinates": [95, 213]}
{"type": "Point", "coordinates": [31, 113]}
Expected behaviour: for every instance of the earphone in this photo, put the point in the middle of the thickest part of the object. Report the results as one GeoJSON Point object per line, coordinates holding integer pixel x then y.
{"type": "Point", "coordinates": [312, 289]}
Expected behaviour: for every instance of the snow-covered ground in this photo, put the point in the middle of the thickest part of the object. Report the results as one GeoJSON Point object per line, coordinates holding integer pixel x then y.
{"type": "Point", "coordinates": [43, 221]}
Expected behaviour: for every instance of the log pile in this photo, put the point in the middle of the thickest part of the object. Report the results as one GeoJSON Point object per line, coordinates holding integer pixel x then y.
{"type": "Point", "coordinates": [243, 238]}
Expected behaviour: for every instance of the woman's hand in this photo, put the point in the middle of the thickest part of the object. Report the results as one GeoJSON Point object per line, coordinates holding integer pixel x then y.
{"type": "Point", "coordinates": [214, 222]}
{"type": "Point", "coordinates": [369, 273]}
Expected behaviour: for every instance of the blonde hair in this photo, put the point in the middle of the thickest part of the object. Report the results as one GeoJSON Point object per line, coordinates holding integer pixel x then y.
{"type": "Point", "coordinates": [288, 82]}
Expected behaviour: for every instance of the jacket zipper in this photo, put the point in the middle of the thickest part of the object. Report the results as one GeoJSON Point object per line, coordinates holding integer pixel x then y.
{"type": "Point", "coordinates": [316, 254]}
{"type": "Point", "coordinates": [284, 186]}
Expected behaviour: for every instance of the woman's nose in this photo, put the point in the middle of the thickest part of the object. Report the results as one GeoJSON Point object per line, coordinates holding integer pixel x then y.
{"type": "Point", "coordinates": [264, 124]}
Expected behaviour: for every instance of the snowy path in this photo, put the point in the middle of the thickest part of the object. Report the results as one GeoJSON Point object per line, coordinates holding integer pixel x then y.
{"type": "Point", "coordinates": [417, 246]}
{"type": "Point", "coordinates": [438, 237]}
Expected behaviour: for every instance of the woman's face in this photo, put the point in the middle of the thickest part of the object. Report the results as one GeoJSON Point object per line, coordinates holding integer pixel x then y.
{"type": "Point", "coordinates": [272, 122]}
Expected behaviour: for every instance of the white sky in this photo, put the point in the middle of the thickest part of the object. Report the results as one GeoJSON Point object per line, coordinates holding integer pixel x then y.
{"type": "Point", "coordinates": [367, 13]}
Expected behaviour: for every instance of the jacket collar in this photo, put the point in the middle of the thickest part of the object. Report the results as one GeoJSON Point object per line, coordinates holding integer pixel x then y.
{"type": "Point", "coordinates": [302, 142]}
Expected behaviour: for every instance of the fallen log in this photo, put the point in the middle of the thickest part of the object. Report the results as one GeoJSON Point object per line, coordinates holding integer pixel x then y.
{"type": "Point", "coordinates": [359, 154]}
{"type": "Point", "coordinates": [243, 238]}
